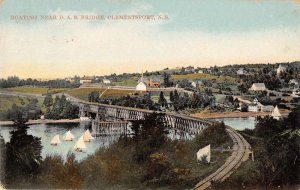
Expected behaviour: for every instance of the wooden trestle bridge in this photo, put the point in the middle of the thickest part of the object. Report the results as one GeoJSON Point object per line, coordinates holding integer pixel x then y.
{"type": "Point", "coordinates": [115, 119]}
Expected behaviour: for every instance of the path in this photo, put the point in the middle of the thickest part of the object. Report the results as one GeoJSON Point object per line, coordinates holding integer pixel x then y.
{"type": "Point", "coordinates": [240, 154]}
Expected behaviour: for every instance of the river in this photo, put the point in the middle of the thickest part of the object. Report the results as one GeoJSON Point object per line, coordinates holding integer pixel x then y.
{"type": "Point", "coordinates": [47, 131]}
{"type": "Point", "coordinates": [240, 123]}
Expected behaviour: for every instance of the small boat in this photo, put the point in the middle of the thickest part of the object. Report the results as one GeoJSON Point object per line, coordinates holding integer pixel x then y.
{"type": "Point", "coordinates": [55, 140]}
{"type": "Point", "coordinates": [87, 137]}
{"type": "Point", "coordinates": [68, 136]}
{"type": "Point", "coordinates": [80, 145]}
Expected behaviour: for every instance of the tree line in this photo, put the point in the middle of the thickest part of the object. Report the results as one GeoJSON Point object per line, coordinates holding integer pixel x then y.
{"type": "Point", "coordinates": [59, 108]}
{"type": "Point", "coordinates": [14, 81]}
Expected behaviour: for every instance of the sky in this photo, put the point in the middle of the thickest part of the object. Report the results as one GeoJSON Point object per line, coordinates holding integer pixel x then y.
{"type": "Point", "coordinates": [199, 33]}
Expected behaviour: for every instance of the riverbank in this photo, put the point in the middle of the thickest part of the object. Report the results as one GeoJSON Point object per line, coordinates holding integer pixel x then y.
{"type": "Point", "coordinates": [216, 115]}
{"type": "Point", "coordinates": [43, 121]}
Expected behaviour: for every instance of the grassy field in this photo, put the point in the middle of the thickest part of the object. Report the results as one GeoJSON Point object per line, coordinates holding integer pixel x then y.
{"type": "Point", "coordinates": [117, 93]}
{"type": "Point", "coordinates": [203, 76]}
{"type": "Point", "coordinates": [6, 101]}
{"type": "Point", "coordinates": [132, 81]}
{"type": "Point", "coordinates": [36, 90]}
{"type": "Point", "coordinates": [82, 93]}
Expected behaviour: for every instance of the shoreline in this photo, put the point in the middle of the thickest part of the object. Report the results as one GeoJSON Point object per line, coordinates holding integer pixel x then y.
{"type": "Point", "coordinates": [217, 115]}
{"type": "Point", "coordinates": [43, 121]}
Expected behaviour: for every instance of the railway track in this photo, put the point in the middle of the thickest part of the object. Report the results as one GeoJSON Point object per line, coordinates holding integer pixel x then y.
{"type": "Point", "coordinates": [239, 155]}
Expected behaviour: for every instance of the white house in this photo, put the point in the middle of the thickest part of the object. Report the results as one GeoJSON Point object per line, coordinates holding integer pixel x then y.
{"type": "Point", "coordinates": [200, 71]}
{"type": "Point", "coordinates": [294, 82]}
{"type": "Point", "coordinates": [240, 71]}
{"type": "Point", "coordinates": [258, 87]}
{"type": "Point", "coordinates": [106, 81]}
{"type": "Point", "coordinates": [296, 92]}
{"type": "Point", "coordinates": [70, 79]}
{"type": "Point", "coordinates": [86, 80]}
{"type": "Point", "coordinates": [141, 87]}
{"type": "Point", "coordinates": [196, 83]}
{"type": "Point", "coordinates": [280, 69]}
{"type": "Point", "coordinates": [189, 69]}
{"type": "Point", "coordinates": [255, 106]}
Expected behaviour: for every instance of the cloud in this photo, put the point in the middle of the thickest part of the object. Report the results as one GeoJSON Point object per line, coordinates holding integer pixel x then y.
{"type": "Point", "coordinates": [58, 49]}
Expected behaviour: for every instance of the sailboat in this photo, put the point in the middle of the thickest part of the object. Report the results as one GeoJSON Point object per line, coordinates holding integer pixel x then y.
{"type": "Point", "coordinates": [87, 137]}
{"type": "Point", "coordinates": [204, 154]}
{"type": "Point", "coordinates": [68, 136]}
{"type": "Point", "coordinates": [80, 145]}
{"type": "Point", "coordinates": [55, 140]}
{"type": "Point", "coordinates": [276, 114]}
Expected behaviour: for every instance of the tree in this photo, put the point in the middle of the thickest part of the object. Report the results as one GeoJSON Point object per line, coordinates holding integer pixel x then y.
{"type": "Point", "coordinates": [242, 88]}
{"type": "Point", "coordinates": [171, 96]}
{"type": "Point", "coordinates": [244, 107]}
{"type": "Point", "coordinates": [267, 127]}
{"type": "Point", "coordinates": [162, 100]}
{"type": "Point", "coordinates": [32, 110]}
{"type": "Point", "coordinates": [167, 81]}
{"type": "Point", "coordinates": [17, 116]}
{"type": "Point", "coordinates": [2, 160]}
{"type": "Point", "coordinates": [176, 95]}
{"type": "Point", "coordinates": [280, 164]}
{"type": "Point", "coordinates": [23, 154]}
{"type": "Point", "coordinates": [55, 112]}
{"type": "Point", "coordinates": [294, 119]}
{"type": "Point", "coordinates": [48, 101]}
{"type": "Point", "coordinates": [149, 135]}
{"type": "Point", "coordinates": [48, 113]}
{"type": "Point", "coordinates": [93, 96]}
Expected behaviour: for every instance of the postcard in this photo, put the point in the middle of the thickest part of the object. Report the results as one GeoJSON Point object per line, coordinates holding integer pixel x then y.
{"type": "Point", "coordinates": [128, 94]}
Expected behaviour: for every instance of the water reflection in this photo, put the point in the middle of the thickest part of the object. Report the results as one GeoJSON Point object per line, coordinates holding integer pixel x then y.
{"type": "Point", "coordinates": [239, 123]}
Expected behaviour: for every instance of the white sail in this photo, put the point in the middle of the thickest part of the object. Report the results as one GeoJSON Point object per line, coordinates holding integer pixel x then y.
{"type": "Point", "coordinates": [276, 112]}
{"type": "Point", "coordinates": [79, 144]}
{"type": "Point", "coordinates": [68, 136]}
{"type": "Point", "coordinates": [204, 154]}
{"type": "Point", "coordinates": [87, 136]}
{"type": "Point", "coordinates": [55, 140]}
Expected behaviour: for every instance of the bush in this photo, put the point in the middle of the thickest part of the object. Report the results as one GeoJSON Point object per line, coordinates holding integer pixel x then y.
{"type": "Point", "coordinates": [215, 135]}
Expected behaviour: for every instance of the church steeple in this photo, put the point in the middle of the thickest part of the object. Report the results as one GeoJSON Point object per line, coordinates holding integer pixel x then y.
{"type": "Point", "coordinates": [142, 77]}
